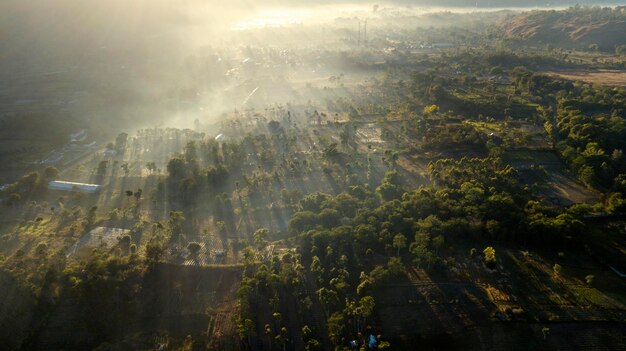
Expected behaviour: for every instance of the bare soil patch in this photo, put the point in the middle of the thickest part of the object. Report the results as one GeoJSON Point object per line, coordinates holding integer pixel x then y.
{"type": "Point", "coordinates": [614, 78]}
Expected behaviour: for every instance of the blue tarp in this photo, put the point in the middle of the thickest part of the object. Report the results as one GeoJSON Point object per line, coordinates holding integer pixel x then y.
{"type": "Point", "coordinates": [372, 341]}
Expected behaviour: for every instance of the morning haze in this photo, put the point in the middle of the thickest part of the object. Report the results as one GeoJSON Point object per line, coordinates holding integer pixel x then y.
{"type": "Point", "coordinates": [312, 175]}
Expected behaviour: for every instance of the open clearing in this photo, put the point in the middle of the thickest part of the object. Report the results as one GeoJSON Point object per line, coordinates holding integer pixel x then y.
{"type": "Point", "coordinates": [615, 78]}
{"type": "Point", "coordinates": [544, 166]}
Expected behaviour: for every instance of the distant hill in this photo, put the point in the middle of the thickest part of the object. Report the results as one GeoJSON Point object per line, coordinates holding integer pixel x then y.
{"type": "Point", "coordinates": [577, 27]}
{"type": "Point", "coordinates": [506, 3]}
{"type": "Point", "coordinates": [462, 3]}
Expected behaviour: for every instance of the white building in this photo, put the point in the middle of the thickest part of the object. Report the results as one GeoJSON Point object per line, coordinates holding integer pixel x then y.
{"type": "Point", "coordinates": [71, 186]}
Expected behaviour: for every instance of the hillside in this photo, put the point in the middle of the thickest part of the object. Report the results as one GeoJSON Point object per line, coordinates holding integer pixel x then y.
{"type": "Point", "coordinates": [572, 28]}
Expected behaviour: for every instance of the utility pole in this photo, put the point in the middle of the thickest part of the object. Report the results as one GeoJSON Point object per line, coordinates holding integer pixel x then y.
{"type": "Point", "coordinates": [358, 40]}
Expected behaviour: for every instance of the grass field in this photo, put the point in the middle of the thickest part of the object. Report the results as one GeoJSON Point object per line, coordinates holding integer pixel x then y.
{"type": "Point", "coordinates": [605, 77]}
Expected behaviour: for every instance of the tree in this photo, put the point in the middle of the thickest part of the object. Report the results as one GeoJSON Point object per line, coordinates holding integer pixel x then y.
{"type": "Point", "coordinates": [102, 168]}
{"type": "Point", "coordinates": [120, 142]}
{"type": "Point", "coordinates": [273, 126]}
{"type": "Point", "coordinates": [194, 249]}
{"type": "Point", "coordinates": [420, 254]}
{"type": "Point", "coordinates": [248, 255]}
{"type": "Point", "coordinates": [399, 242]}
{"type": "Point", "coordinates": [151, 166]}
{"type": "Point", "coordinates": [190, 152]}
{"type": "Point", "coordinates": [390, 187]}
{"type": "Point", "coordinates": [187, 344]}
{"type": "Point", "coordinates": [177, 218]}
{"type": "Point", "coordinates": [384, 345]}
{"type": "Point", "coordinates": [437, 243]}
{"type": "Point", "coordinates": [329, 298]}
{"type": "Point", "coordinates": [51, 172]}
{"type": "Point", "coordinates": [137, 194]}
{"type": "Point", "coordinates": [395, 268]}
{"type": "Point", "coordinates": [336, 326]}
{"type": "Point", "coordinates": [431, 109]}
{"type": "Point", "coordinates": [260, 238]}
{"type": "Point", "coordinates": [312, 345]}
{"type": "Point", "coordinates": [155, 248]}
{"type": "Point", "coordinates": [306, 333]}
{"type": "Point", "coordinates": [176, 168]}
{"type": "Point", "coordinates": [91, 216]}
{"type": "Point", "coordinates": [366, 306]}
{"type": "Point", "coordinates": [490, 257]}
{"type": "Point", "coordinates": [246, 330]}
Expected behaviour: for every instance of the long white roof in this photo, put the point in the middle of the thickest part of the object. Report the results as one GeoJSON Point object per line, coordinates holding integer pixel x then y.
{"type": "Point", "coordinates": [62, 185]}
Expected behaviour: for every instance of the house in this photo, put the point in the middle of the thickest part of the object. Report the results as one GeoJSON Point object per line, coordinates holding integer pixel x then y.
{"type": "Point", "coordinates": [72, 186]}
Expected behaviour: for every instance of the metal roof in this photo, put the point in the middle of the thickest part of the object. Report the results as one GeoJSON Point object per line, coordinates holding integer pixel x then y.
{"type": "Point", "coordinates": [72, 186]}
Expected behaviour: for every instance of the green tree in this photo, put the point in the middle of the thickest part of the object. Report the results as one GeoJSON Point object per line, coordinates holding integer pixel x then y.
{"type": "Point", "coordinates": [194, 249]}
{"type": "Point", "coordinates": [490, 257]}
{"type": "Point", "coordinates": [437, 243]}
{"type": "Point", "coordinates": [336, 327]}
{"type": "Point", "coordinates": [51, 172]}
{"type": "Point", "coordinates": [155, 248]}
{"type": "Point", "coordinates": [431, 109]}
{"type": "Point", "coordinates": [366, 306]}
{"type": "Point", "coordinates": [260, 238]}
{"type": "Point", "coordinates": [399, 242]}
{"type": "Point", "coordinates": [102, 168]}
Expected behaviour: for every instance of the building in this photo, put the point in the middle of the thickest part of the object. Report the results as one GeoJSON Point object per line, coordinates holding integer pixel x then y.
{"type": "Point", "coordinates": [71, 186]}
{"type": "Point", "coordinates": [442, 45]}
